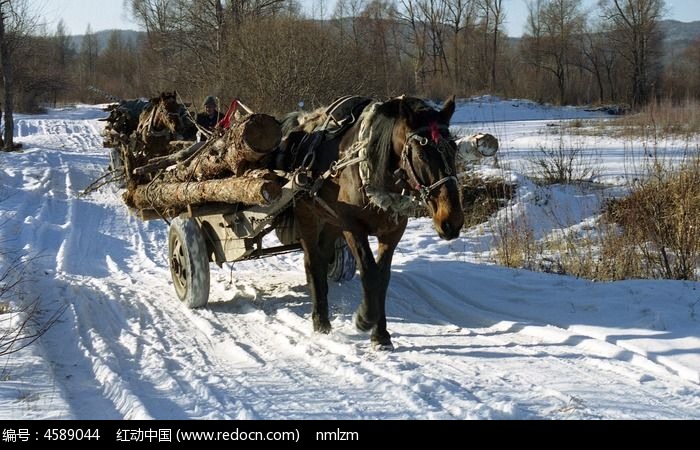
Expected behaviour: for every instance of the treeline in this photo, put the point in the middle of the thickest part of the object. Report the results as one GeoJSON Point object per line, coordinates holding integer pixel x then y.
{"type": "Point", "coordinates": [272, 56]}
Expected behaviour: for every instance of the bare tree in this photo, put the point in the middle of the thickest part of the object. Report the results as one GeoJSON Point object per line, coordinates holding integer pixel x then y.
{"type": "Point", "coordinates": [460, 16]}
{"type": "Point", "coordinates": [117, 66]}
{"type": "Point", "coordinates": [691, 59]}
{"type": "Point", "coordinates": [15, 25]}
{"type": "Point", "coordinates": [243, 10]}
{"type": "Point", "coordinates": [636, 30]}
{"type": "Point", "coordinates": [88, 58]}
{"type": "Point", "coordinates": [532, 42]}
{"type": "Point", "coordinates": [159, 19]}
{"type": "Point", "coordinates": [600, 58]}
{"type": "Point", "coordinates": [411, 14]}
{"type": "Point", "coordinates": [376, 25]}
{"type": "Point", "coordinates": [283, 61]}
{"type": "Point", "coordinates": [434, 13]}
{"type": "Point", "coordinates": [346, 19]}
{"type": "Point", "coordinates": [62, 56]}
{"type": "Point", "coordinates": [553, 36]}
{"type": "Point", "coordinates": [492, 16]}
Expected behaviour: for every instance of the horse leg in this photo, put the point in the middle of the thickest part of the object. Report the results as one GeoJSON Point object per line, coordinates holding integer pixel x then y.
{"type": "Point", "coordinates": [368, 312]}
{"type": "Point", "coordinates": [381, 338]}
{"type": "Point", "coordinates": [375, 274]}
{"type": "Point", "coordinates": [316, 259]}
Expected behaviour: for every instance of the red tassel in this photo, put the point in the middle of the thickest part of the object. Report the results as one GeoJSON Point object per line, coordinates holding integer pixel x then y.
{"type": "Point", "coordinates": [435, 132]}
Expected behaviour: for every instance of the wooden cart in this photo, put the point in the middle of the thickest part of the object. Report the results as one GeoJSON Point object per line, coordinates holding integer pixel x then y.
{"type": "Point", "coordinates": [210, 232]}
{"type": "Point", "coordinates": [232, 233]}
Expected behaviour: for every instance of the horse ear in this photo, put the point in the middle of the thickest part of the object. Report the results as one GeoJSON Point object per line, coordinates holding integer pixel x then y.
{"type": "Point", "coordinates": [405, 112]}
{"type": "Point", "coordinates": [448, 109]}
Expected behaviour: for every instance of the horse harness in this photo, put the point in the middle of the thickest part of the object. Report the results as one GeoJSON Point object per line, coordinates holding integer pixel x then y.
{"type": "Point", "coordinates": [411, 179]}
{"type": "Point", "coordinates": [406, 176]}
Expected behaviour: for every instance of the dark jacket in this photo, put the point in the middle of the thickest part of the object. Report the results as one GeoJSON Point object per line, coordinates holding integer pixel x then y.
{"type": "Point", "coordinates": [209, 122]}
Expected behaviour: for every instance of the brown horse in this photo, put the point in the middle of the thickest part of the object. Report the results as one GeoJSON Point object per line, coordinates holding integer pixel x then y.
{"type": "Point", "coordinates": [163, 120]}
{"type": "Point", "coordinates": [397, 156]}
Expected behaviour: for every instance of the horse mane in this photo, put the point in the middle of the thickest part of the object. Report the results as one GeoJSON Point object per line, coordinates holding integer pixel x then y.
{"type": "Point", "coordinates": [375, 143]}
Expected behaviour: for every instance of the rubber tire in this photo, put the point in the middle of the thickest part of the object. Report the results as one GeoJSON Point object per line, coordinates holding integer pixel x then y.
{"type": "Point", "coordinates": [343, 265]}
{"type": "Point", "coordinates": [189, 262]}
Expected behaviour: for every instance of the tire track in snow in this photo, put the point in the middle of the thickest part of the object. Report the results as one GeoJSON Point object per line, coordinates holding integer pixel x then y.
{"type": "Point", "coordinates": [96, 376]}
{"type": "Point", "coordinates": [597, 342]}
{"type": "Point", "coordinates": [162, 372]}
{"type": "Point", "coordinates": [586, 359]}
{"type": "Point", "coordinates": [344, 356]}
{"type": "Point", "coordinates": [101, 317]}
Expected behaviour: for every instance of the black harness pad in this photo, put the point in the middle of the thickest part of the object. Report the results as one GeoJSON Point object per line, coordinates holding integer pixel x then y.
{"type": "Point", "coordinates": [344, 112]}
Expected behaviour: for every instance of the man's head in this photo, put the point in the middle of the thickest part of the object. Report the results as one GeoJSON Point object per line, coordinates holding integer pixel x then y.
{"type": "Point", "coordinates": [210, 105]}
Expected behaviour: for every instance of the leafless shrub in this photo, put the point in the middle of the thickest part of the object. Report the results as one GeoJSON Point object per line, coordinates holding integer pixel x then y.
{"type": "Point", "coordinates": [22, 326]}
{"type": "Point", "coordinates": [21, 323]}
{"type": "Point", "coordinates": [654, 232]}
{"type": "Point", "coordinates": [566, 163]}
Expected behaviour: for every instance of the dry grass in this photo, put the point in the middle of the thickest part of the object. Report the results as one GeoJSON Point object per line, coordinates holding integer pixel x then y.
{"type": "Point", "coordinates": [515, 244]}
{"type": "Point", "coordinates": [662, 118]}
{"type": "Point", "coordinates": [661, 221]}
{"type": "Point", "coordinates": [652, 233]}
{"type": "Point", "coordinates": [483, 197]}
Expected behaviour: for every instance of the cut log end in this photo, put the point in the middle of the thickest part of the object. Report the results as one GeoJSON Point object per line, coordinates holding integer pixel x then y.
{"type": "Point", "coordinates": [262, 133]}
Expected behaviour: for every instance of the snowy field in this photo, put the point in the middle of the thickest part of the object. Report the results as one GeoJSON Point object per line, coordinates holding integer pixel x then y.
{"type": "Point", "coordinates": [473, 340]}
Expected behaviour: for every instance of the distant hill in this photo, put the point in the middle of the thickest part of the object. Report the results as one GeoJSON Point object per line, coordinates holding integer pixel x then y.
{"type": "Point", "coordinates": [103, 38]}
{"type": "Point", "coordinates": [680, 32]}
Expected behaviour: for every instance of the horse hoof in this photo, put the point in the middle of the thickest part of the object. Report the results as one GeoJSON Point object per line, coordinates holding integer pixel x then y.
{"type": "Point", "coordinates": [322, 327]}
{"type": "Point", "coordinates": [382, 346]}
{"type": "Point", "coordinates": [361, 324]}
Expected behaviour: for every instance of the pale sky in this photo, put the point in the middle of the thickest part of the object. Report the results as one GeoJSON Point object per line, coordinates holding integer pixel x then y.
{"type": "Point", "coordinates": [109, 14]}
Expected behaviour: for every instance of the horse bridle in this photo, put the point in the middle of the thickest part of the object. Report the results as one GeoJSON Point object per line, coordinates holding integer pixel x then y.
{"type": "Point", "coordinates": [411, 177]}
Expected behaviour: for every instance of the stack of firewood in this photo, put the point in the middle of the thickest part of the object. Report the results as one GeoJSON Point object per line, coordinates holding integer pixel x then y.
{"type": "Point", "coordinates": [228, 168]}
{"type": "Point", "coordinates": [122, 121]}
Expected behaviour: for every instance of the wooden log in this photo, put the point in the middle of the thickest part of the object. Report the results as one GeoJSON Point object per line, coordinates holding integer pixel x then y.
{"type": "Point", "coordinates": [175, 197]}
{"type": "Point", "coordinates": [162, 162]}
{"type": "Point", "coordinates": [241, 148]}
{"type": "Point", "coordinates": [207, 164]}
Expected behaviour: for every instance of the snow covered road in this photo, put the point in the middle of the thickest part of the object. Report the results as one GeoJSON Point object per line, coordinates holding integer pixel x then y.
{"type": "Point", "coordinates": [472, 340]}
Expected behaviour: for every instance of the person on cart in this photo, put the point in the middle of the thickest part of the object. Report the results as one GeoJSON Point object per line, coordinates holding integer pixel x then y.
{"type": "Point", "coordinates": [210, 117]}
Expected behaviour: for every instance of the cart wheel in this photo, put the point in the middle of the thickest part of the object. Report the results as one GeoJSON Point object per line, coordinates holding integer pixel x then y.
{"type": "Point", "coordinates": [189, 262]}
{"type": "Point", "coordinates": [342, 268]}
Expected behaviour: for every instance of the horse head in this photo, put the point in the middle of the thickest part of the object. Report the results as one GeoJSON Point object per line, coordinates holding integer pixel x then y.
{"type": "Point", "coordinates": [168, 112]}
{"type": "Point", "coordinates": [425, 154]}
